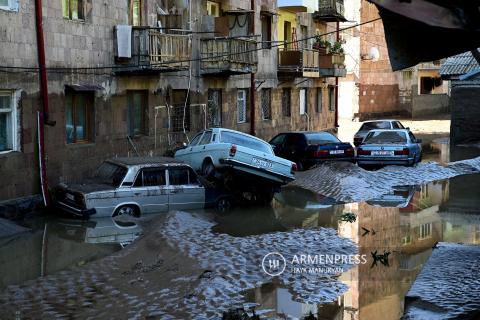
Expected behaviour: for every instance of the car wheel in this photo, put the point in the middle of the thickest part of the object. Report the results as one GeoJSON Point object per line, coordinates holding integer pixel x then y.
{"type": "Point", "coordinates": [208, 169]}
{"type": "Point", "coordinates": [127, 210]}
{"type": "Point", "coordinates": [224, 205]}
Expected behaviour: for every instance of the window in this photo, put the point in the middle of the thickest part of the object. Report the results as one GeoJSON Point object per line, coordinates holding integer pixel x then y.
{"type": "Point", "coordinates": [110, 174]}
{"type": "Point", "coordinates": [321, 138]}
{"type": "Point", "coordinates": [286, 102]}
{"type": "Point", "coordinates": [245, 141]}
{"type": "Point", "coordinates": [431, 85]}
{"type": "Point", "coordinates": [137, 112]}
{"type": "Point", "coordinates": [267, 104]}
{"type": "Point", "coordinates": [406, 240]}
{"type": "Point", "coordinates": [213, 9]}
{"type": "Point", "coordinates": [214, 107]}
{"type": "Point", "coordinates": [278, 140]}
{"type": "Point", "coordinates": [207, 137]}
{"type": "Point", "coordinates": [8, 122]}
{"type": "Point", "coordinates": [182, 176]}
{"type": "Point", "coordinates": [180, 115]}
{"type": "Point", "coordinates": [425, 231]}
{"type": "Point", "coordinates": [386, 136]}
{"type": "Point", "coordinates": [73, 9]}
{"type": "Point", "coordinates": [412, 137]}
{"type": "Point", "coordinates": [303, 101]}
{"type": "Point", "coordinates": [331, 98]}
{"type": "Point", "coordinates": [10, 5]}
{"type": "Point", "coordinates": [397, 125]}
{"type": "Point", "coordinates": [136, 12]}
{"type": "Point", "coordinates": [150, 177]}
{"type": "Point", "coordinates": [318, 106]}
{"type": "Point", "coordinates": [242, 96]}
{"type": "Point", "coordinates": [266, 31]}
{"type": "Point", "coordinates": [367, 126]}
{"type": "Point", "coordinates": [196, 139]}
{"type": "Point", "coordinates": [79, 115]}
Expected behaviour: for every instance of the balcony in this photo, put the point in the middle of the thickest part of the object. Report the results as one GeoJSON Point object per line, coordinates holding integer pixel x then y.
{"type": "Point", "coordinates": [332, 65]}
{"type": "Point", "coordinates": [298, 63]}
{"type": "Point", "coordinates": [330, 11]}
{"type": "Point", "coordinates": [228, 56]}
{"type": "Point", "coordinates": [152, 51]}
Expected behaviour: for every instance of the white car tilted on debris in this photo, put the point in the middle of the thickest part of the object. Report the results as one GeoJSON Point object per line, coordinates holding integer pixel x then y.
{"type": "Point", "coordinates": [218, 149]}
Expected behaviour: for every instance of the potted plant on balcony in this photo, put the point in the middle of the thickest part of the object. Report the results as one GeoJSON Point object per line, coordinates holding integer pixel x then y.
{"type": "Point", "coordinates": [337, 48]}
{"type": "Point", "coordinates": [323, 46]}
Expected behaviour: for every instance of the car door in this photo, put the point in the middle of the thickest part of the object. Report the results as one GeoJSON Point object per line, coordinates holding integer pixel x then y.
{"type": "Point", "coordinates": [185, 154]}
{"type": "Point", "coordinates": [293, 147]}
{"type": "Point", "coordinates": [184, 190]}
{"type": "Point", "coordinates": [199, 152]}
{"type": "Point", "coordinates": [150, 190]}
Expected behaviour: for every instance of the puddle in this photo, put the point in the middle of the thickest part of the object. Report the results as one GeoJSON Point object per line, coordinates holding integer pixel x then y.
{"type": "Point", "coordinates": [216, 263]}
{"type": "Point", "coordinates": [55, 245]}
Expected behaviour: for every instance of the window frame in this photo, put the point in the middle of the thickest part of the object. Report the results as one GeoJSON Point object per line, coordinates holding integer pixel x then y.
{"type": "Point", "coordinates": [144, 130]}
{"type": "Point", "coordinates": [319, 104]}
{"type": "Point", "coordinates": [12, 5]}
{"type": "Point", "coordinates": [266, 94]}
{"type": "Point", "coordinates": [14, 118]}
{"type": "Point", "coordinates": [80, 13]}
{"type": "Point", "coordinates": [331, 98]}
{"type": "Point", "coordinates": [89, 116]}
{"type": "Point", "coordinates": [266, 21]}
{"type": "Point", "coordinates": [130, 13]}
{"type": "Point", "coordinates": [287, 105]}
{"type": "Point", "coordinates": [244, 106]}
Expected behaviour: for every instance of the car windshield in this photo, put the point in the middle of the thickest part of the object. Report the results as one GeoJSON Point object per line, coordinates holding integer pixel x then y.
{"type": "Point", "coordinates": [386, 137]}
{"type": "Point", "coordinates": [367, 126]}
{"type": "Point", "coordinates": [245, 141]}
{"type": "Point", "coordinates": [111, 174]}
{"type": "Point", "coordinates": [321, 138]}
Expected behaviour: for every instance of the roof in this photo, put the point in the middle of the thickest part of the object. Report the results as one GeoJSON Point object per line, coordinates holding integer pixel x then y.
{"type": "Point", "coordinates": [379, 120]}
{"type": "Point", "coordinates": [458, 65]}
{"type": "Point", "coordinates": [133, 161]}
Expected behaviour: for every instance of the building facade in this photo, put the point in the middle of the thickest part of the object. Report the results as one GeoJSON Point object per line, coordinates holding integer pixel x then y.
{"type": "Point", "coordinates": [138, 77]}
{"type": "Point", "coordinates": [371, 88]}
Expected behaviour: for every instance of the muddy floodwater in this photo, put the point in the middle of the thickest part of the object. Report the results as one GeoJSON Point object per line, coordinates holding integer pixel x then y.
{"type": "Point", "coordinates": [415, 255]}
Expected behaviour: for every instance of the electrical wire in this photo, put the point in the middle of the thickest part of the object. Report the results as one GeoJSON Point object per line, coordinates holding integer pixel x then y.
{"type": "Point", "coordinates": [175, 62]}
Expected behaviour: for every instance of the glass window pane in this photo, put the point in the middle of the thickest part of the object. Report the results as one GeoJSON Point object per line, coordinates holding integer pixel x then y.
{"type": "Point", "coordinates": [153, 177]}
{"type": "Point", "coordinates": [206, 138]}
{"type": "Point", "coordinates": [5, 131]}
{"type": "Point", "coordinates": [137, 114]}
{"type": "Point", "coordinates": [136, 13]}
{"type": "Point", "coordinates": [5, 102]}
{"type": "Point", "coordinates": [69, 119]}
{"type": "Point", "coordinates": [178, 176]}
{"type": "Point", "coordinates": [74, 9]}
{"type": "Point", "coordinates": [66, 8]}
{"type": "Point", "coordinates": [80, 118]}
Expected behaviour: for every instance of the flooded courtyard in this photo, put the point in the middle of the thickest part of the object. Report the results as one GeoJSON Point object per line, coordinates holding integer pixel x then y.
{"type": "Point", "coordinates": [413, 253]}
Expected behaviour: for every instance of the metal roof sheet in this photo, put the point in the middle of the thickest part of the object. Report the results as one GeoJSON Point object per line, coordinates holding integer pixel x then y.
{"type": "Point", "coordinates": [458, 65]}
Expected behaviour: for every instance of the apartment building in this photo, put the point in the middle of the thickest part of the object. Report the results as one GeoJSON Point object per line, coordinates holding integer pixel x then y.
{"type": "Point", "coordinates": [138, 77]}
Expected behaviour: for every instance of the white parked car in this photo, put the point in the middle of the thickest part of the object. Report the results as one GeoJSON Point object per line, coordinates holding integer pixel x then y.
{"type": "Point", "coordinates": [218, 149]}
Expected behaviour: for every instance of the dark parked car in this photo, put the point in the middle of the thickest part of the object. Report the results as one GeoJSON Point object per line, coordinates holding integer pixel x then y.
{"type": "Point", "coordinates": [372, 125]}
{"type": "Point", "coordinates": [309, 148]}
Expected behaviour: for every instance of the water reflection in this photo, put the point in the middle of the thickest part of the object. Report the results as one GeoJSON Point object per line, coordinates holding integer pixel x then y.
{"type": "Point", "coordinates": [406, 224]}
{"type": "Point", "coordinates": [55, 245]}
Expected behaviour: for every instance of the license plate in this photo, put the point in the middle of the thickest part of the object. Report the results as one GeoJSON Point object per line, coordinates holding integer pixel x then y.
{"type": "Point", "coordinates": [337, 151]}
{"type": "Point", "coordinates": [70, 196]}
{"type": "Point", "coordinates": [383, 153]}
{"type": "Point", "coordinates": [261, 163]}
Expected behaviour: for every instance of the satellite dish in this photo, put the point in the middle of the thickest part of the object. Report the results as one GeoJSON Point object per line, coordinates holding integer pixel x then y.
{"type": "Point", "coordinates": [374, 53]}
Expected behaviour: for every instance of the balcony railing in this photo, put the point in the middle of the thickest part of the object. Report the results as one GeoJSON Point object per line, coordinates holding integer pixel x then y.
{"type": "Point", "coordinates": [330, 10]}
{"type": "Point", "coordinates": [332, 65]}
{"type": "Point", "coordinates": [299, 63]}
{"type": "Point", "coordinates": [154, 51]}
{"type": "Point", "coordinates": [228, 56]}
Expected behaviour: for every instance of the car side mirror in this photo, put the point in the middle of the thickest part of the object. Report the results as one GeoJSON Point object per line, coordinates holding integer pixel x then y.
{"type": "Point", "coordinates": [419, 140]}
{"type": "Point", "coordinates": [408, 128]}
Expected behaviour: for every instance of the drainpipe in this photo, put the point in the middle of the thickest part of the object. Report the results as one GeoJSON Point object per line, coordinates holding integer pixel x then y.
{"type": "Point", "coordinates": [42, 116]}
{"type": "Point", "coordinates": [336, 82]}
{"type": "Point", "coordinates": [252, 81]}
